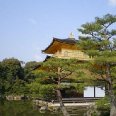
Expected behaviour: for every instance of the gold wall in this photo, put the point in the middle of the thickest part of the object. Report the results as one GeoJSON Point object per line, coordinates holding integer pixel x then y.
{"type": "Point", "coordinates": [67, 54]}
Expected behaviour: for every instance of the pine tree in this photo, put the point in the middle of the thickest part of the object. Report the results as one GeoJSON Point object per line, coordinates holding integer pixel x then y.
{"type": "Point", "coordinates": [58, 74]}
{"type": "Point", "coordinates": [98, 40]}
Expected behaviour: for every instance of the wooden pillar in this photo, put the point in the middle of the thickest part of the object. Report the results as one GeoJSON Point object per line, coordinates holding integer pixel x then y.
{"type": "Point", "coordinates": [94, 92]}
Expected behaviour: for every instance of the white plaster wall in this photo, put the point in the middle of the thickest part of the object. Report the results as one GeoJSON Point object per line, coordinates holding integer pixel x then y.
{"type": "Point", "coordinates": [89, 92]}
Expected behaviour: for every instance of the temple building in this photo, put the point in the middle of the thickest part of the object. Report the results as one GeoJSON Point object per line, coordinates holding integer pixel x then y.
{"type": "Point", "coordinates": [67, 49]}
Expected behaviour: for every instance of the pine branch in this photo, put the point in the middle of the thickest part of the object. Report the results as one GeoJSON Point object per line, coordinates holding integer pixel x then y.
{"type": "Point", "coordinates": [93, 35]}
{"type": "Point", "coordinates": [63, 77]}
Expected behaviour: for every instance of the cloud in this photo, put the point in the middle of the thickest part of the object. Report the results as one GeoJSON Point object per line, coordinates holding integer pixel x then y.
{"type": "Point", "coordinates": [32, 20]}
{"type": "Point", "coordinates": [112, 2]}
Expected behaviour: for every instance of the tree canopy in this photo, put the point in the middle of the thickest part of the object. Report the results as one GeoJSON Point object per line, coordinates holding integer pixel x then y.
{"type": "Point", "coordinates": [98, 40]}
{"type": "Point", "coordinates": [56, 74]}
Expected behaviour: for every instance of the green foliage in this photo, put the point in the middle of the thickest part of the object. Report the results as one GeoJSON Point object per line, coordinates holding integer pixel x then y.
{"type": "Point", "coordinates": [2, 72]}
{"type": "Point", "coordinates": [42, 91]}
{"type": "Point", "coordinates": [2, 75]}
{"type": "Point", "coordinates": [56, 74]}
{"type": "Point", "coordinates": [103, 106]}
{"type": "Point", "coordinates": [98, 40]}
{"type": "Point", "coordinates": [19, 87]}
{"type": "Point", "coordinates": [34, 89]}
{"type": "Point", "coordinates": [103, 103]}
{"type": "Point", "coordinates": [29, 66]}
{"type": "Point", "coordinates": [12, 77]}
{"type": "Point", "coordinates": [28, 70]}
{"type": "Point", "coordinates": [78, 86]}
{"type": "Point", "coordinates": [67, 70]}
{"type": "Point", "coordinates": [47, 92]}
{"type": "Point", "coordinates": [52, 64]}
{"type": "Point", "coordinates": [13, 69]}
{"type": "Point", "coordinates": [44, 77]}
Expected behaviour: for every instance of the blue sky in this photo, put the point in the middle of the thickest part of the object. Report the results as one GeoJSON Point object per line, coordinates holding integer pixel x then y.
{"type": "Point", "coordinates": [28, 26]}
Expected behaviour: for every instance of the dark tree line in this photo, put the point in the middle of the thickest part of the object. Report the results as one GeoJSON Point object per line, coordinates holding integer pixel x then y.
{"type": "Point", "coordinates": [14, 76]}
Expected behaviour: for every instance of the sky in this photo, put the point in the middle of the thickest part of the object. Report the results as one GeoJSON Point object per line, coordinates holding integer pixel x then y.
{"type": "Point", "coordinates": [28, 26]}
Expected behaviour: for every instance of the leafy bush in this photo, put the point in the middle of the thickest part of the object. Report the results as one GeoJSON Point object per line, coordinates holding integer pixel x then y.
{"type": "Point", "coordinates": [103, 106]}
{"type": "Point", "coordinates": [47, 92]}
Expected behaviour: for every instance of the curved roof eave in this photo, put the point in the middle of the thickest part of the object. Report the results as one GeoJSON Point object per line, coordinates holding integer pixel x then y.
{"type": "Point", "coordinates": [66, 41]}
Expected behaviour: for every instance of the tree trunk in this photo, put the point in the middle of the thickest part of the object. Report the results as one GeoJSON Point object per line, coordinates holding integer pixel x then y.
{"type": "Point", "coordinates": [112, 102]}
{"type": "Point", "coordinates": [112, 110]}
{"type": "Point", "coordinates": [63, 109]}
{"type": "Point", "coordinates": [111, 93]}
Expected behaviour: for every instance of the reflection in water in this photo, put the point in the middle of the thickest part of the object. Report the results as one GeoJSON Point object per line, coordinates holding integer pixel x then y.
{"type": "Point", "coordinates": [21, 108]}
{"type": "Point", "coordinates": [25, 108]}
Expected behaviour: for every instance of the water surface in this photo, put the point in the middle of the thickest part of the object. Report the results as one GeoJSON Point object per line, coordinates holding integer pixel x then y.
{"type": "Point", "coordinates": [25, 108]}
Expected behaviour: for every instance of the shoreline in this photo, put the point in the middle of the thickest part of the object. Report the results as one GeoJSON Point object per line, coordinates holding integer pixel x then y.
{"type": "Point", "coordinates": [71, 104]}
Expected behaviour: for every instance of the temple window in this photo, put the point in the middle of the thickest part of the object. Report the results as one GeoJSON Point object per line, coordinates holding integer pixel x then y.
{"type": "Point", "coordinates": [65, 53]}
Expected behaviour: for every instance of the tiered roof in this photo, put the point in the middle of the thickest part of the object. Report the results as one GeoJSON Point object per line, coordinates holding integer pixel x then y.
{"type": "Point", "coordinates": [57, 44]}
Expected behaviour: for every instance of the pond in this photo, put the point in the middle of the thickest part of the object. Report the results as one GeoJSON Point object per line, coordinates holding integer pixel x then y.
{"type": "Point", "coordinates": [25, 108]}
